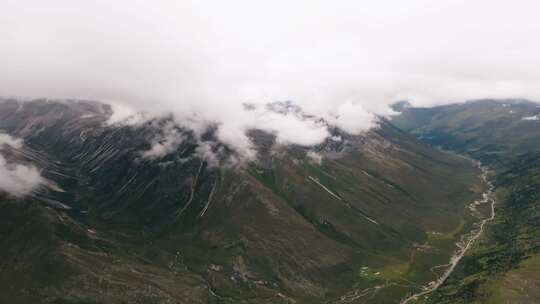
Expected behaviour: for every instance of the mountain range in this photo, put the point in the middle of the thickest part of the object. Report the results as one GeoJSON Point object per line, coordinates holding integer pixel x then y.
{"type": "Point", "coordinates": [150, 212]}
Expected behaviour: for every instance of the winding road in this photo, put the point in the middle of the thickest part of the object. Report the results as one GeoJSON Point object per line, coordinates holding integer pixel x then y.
{"type": "Point", "coordinates": [454, 260]}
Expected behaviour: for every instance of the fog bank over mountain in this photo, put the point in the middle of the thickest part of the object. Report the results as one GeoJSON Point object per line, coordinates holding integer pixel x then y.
{"type": "Point", "coordinates": [343, 61]}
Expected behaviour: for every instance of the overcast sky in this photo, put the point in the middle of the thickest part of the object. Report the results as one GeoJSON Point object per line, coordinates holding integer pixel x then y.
{"type": "Point", "coordinates": [343, 60]}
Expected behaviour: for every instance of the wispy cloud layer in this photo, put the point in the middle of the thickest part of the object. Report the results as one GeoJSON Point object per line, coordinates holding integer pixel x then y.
{"type": "Point", "coordinates": [344, 61]}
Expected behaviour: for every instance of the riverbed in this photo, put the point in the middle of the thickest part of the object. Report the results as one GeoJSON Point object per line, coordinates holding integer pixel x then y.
{"type": "Point", "coordinates": [463, 246]}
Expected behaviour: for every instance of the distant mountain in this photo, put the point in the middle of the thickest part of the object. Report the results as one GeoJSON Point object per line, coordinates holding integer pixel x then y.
{"type": "Point", "coordinates": [138, 214]}
{"type": "Point", "coordinates": [490, 130]}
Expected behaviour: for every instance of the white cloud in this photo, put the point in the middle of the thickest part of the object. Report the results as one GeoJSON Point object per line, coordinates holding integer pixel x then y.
{"type": "Point", "coordinates": [315, 157]}
{"type": "Point", "coordinates": [17, 179]}
{"type": "Point", "coordinates": [206, 151]}
{"type": "Point", "coordinates": [292, 130]}
{"type": "Point", "coordinates": [6, 139]}
{"type": "Point", "coordinates": [289, 127]}
{"type": "Point", "coordinates": [122, 114]}
{"type": "Point", "coordinates": [353, 118]}
{"type": "Point", "coordinates": [535, 117]}
{"type": "Point", "coordinates": [166, 142]}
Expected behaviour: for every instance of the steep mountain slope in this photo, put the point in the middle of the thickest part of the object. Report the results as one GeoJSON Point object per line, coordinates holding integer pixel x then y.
{"type": "Point", "coordinates": [113, 226]}
{"type": "Point", "coordinates": [503, 266]}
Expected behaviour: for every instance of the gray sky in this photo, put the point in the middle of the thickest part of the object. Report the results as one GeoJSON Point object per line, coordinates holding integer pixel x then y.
{"type": "Point", "coordinates": [342, 60]}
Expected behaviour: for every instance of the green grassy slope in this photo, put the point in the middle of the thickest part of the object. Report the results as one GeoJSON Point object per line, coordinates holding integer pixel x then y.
{"type": "Point", "coordinates": [283, 230]}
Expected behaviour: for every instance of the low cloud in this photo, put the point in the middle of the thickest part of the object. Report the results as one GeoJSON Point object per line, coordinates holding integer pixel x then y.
{"type": "Point", "coordinates": [534, 117]}
{"type": "Point", "coordinates": [17, 179]}
{"type": "Point", "coordinates": [314, 157]}
{"type": "Point", "coordinates": [167, 141]}
{"type": "Point", "coordinates": [342, 61]}
{"type": "Point", "coordinates": [353, 118]}
{"type": "Point", "coordinates": [6, 139]}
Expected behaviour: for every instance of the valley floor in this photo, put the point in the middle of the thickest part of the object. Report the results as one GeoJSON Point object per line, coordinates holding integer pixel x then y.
{"type": "Point", "coordinates": [464, 245]}
{"type": "Point", "coordinates": [504, 266]}
{"type": "Point", "coordinates": [482, 211]}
